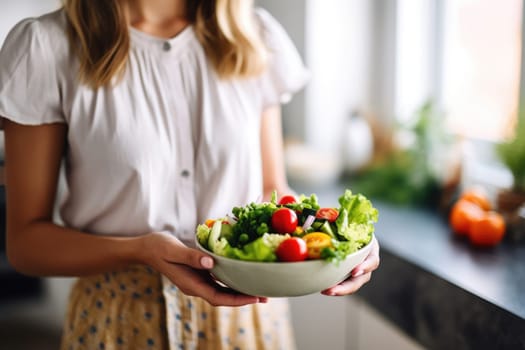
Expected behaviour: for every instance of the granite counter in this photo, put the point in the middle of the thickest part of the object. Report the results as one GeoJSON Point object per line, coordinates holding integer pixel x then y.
{"type": "Point", "coordinates": [440, 290]}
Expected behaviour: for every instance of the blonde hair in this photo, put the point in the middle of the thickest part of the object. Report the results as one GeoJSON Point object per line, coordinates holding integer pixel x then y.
{"type": "Point", "coordinates": [98, 32]}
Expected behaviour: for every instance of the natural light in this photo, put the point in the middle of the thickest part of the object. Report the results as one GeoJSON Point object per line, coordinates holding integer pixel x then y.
{"type": "Point", "coordinates": [481, 71]}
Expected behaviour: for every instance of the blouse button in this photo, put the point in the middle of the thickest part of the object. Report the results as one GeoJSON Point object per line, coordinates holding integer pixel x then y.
{"type": "Point", "coordinates": [185, 173]}
{"type": "Point", "coordinates": [166, 46]}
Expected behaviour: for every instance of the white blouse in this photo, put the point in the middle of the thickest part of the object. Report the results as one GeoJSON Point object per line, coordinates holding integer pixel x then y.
{"type": "Point", "coordinates": [166, 148]}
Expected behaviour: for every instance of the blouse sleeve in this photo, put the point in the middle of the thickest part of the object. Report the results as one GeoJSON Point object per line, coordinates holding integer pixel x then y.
{"type": "Point", "coordinates": [286, 73]}
{"type": "Point", "coordinates": [29, 88]}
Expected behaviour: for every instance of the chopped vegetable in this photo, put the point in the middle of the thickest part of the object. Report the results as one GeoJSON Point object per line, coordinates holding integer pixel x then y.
{"type": "Point", "coordinates": [356, 218]}
{"type": "Point", "coordinates": [257, 250]}
{"type": "Point", "coordinates": [316, 242]}
{"type": "Point", "coordinates": [288, 199]}
{"type": "Point", "coordinates": [308, 222]}
{"type": "Point", "coordinates": [292, 249]}
{"type": "Point", "coordinates": [272, 231]}
{"type": "Point", "coordinates": [329, 214]}
{"type": "Point", "coordinates": [203, 232]}
{"type": "Point", "coordinates": [284, 220]}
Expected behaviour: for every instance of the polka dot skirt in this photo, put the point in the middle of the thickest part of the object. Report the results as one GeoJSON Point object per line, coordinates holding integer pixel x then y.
{"type": "Point", "coordinates": [139, 309]}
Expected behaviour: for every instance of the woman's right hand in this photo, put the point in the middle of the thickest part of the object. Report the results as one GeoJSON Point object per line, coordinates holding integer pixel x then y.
{"type": "Point", "coordinates": [188, 269]}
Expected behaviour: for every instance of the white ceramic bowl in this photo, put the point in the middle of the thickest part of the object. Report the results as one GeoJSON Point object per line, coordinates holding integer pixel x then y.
{"type": "Point", "coordinates": [284, 279]}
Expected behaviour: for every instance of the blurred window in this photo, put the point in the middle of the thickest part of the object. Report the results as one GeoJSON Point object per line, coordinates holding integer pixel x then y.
{"type": "Point", "coordinates": [481, 66]}
{"type": "Point", "coordinates": [466, 56]}
{"type": "Point", "coordinates": [415, 63]}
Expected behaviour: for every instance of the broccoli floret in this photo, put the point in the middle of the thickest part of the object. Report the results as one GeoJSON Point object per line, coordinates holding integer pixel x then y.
{"type": "Point", "coordinates": [272, 240]}
{"type": "Point", "coordinates": [221, 247]}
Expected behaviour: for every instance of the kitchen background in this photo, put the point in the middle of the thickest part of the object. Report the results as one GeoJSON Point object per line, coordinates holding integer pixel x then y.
{"type": "Point", "coordinates": [434, 83]}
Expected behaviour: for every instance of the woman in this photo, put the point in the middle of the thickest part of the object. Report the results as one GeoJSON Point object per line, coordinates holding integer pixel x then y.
{"type": "Point", "coordinates": [163, 113]}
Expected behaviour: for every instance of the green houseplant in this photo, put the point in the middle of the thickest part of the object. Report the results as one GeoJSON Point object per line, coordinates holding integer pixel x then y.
{"type": "Point", "coordinates": [403, 175]}
{"type": "Point", "coordinates": [512, 155]}
{"type": "Point", "coordinates": [511, 201]}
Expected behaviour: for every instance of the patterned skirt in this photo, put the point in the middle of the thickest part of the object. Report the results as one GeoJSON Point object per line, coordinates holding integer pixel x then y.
{"type": "Point", "coordinates": [137, 308]}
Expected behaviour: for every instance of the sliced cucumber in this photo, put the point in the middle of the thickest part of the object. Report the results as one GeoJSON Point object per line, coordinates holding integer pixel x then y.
{"type": "Point", "coordinates": [327, 228]}
{"type": "Point", "coordinates": [215, 234]}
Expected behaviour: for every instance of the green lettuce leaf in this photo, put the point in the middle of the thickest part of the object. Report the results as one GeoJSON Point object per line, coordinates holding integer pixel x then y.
{"type": "Point", "coordinates": [261, 249]}
{"type": "Point", "coordinates": [339, 250]}
{"type": "Point", "coordinates": [203, 233]}
{"type": "Point", "coordinates": [356, 219]}
{"type": "Point", "coordinates": [256, 250]}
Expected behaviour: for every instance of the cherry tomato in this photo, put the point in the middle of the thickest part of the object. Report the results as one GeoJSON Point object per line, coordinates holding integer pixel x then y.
{"type": "Point", "coordinates": [329, 214]}
{"type": "Point", "coordinates": [462, 215]}
{"type": "Point", "coordinates": [287, 200]}
{"type": "Point", "coordinates": [488, 230]}
{"type": "Point", "coordinates": [284, 220]}
{"type": "Point", "coordinates": [210, 222]}
{"type": "Point", "coordinates": [316, 242]}
{"type": "Point", "coordinates": [478, 196]}
{"type": "Point", "coordinates": [292, 249]}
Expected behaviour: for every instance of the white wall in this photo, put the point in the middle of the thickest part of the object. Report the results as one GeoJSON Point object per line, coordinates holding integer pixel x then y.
{"type": "Point", "coordinates": [12, 11]}
{"type": "Point", "coordinates": [338, 46]}
{"type": "Point", "coordinates": [335, 39]}
{"type": "Point", "coordinates": [291, 14]}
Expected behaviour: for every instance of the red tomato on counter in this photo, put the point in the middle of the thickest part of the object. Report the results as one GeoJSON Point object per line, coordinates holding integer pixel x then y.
{"type": "Point", "coordinates": [488, 230]}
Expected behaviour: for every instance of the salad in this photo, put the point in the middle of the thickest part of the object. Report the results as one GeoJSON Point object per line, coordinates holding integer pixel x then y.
{"type": "Point", "coordinates": [291, 229]}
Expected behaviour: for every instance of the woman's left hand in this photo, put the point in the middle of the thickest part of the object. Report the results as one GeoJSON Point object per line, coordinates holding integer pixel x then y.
{"type": "Point", "coordinates": [360, 275]}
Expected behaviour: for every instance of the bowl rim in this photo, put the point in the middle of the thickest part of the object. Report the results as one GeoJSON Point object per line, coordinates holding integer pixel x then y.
{"type": "Point", "coordinates": [280, 263]}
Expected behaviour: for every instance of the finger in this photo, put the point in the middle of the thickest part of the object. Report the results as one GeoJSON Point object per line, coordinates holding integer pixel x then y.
{"type": "Point", "coordinates": [348, 286]}
{"type": "Point", "coordinates": [370, 263]}
{"type": "Point", "coordinates": [200, 283]}
{"type": "Point", "coordinates": [224, 296]}
{"type": "Point", "coordinates": [261, 299]}
{"type": "Point", "coordinates": [220, 295]}
{"type": "Point", "coordinates": [181, 254]}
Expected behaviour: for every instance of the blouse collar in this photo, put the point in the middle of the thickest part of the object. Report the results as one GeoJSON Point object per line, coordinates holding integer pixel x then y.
{"type": "Point", "coordinates": [164, 44]}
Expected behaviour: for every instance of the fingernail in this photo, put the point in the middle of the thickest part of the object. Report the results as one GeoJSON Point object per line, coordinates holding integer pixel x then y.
{"type": "Point", "coordinates": [207, 262]}
{"type": "Point", "coordinates": [358, 273]}
{"type": "Point", "coordinates": [263, 300]}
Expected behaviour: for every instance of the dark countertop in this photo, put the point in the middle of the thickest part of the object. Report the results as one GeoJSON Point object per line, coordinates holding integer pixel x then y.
{"type": "Point", "coordinates": [440, 290]}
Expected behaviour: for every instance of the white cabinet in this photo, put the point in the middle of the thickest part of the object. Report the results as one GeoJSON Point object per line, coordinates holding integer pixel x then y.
{"type": "Point", "coordinates": [341, 323]}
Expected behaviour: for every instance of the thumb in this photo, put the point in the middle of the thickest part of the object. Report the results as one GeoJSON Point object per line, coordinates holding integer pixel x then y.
{"type": "Point", "coordinates": [191, 257]}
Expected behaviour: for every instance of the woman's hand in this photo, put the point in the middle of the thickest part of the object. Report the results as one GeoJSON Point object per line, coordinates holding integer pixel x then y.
{"type": "Point", "coordinates": [360, 275]}
{"type": "Point", "coordinates": [188, 269]}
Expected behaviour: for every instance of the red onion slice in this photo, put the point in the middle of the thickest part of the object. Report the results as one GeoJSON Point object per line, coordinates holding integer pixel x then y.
{"type": "Point", "coordinates": [308, 222]}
